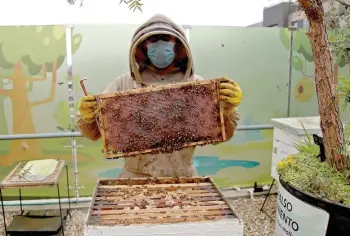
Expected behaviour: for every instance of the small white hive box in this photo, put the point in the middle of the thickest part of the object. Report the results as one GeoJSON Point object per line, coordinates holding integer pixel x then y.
{"type": "Point", "coordinates": [286, 132]}
{"type": "Point", "coordinates": [161, 206]}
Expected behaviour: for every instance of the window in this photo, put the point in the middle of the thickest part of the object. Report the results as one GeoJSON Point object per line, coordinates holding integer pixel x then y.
{"type": "Point", "coordinates": [305, 23]}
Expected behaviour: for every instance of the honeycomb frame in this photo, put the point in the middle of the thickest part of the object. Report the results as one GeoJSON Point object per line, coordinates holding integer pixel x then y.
{"type": "Point", "coordinates": [159, 200]}
{"type": "Point", "coordinates": [111, 152]}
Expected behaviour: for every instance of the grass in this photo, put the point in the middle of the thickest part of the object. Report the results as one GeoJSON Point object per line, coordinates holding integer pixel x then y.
{"type": "Point", "coordinates": [305, 172]}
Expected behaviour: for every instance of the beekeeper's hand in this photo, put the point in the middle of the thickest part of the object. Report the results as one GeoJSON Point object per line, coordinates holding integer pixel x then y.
{"type": "Point", "coordinates": [88, 109]}
{"type": "Point", "coordinates": [230, 94]}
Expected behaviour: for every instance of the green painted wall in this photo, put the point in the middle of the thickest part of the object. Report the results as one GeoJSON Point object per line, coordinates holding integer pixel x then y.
{"type": "Point", "coordinates": [257, 58]}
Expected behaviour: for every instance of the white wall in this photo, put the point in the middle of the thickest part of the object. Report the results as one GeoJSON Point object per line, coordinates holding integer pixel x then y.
{"type": "Point", "coordinates": [211, 12]}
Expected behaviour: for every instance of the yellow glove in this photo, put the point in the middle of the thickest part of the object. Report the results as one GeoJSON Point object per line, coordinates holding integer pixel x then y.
{"type": "Point", "coordinates": [88, 108]}
{"type": "Point", "coordinates": [230, 94]}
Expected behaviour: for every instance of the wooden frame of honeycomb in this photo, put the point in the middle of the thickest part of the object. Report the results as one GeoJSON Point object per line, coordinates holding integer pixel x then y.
{"type": "Point", "coordinates": [197, 112]}
{"type": "Point", "coordinates": [133, 206]}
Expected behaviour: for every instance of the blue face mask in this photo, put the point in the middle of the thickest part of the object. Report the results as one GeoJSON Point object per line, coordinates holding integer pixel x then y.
{"type": "Point", "coordinates": [161, 53]}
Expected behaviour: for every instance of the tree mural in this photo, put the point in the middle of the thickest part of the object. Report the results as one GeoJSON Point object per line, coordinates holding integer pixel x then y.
{"type": "Point", "coordinates": [29, 55]}
{"type": "Point", "coordinates": [62, 111]}
{"type": "Point", "coordinates": [3, 123]}
{"type": "Point", "coordinates": [301, 47]}
{"type": "Point", "coordinates": [61, 114]}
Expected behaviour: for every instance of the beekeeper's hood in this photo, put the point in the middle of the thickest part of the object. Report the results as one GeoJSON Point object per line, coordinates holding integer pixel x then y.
{"type": "Point", "coordinates": [158, 24]}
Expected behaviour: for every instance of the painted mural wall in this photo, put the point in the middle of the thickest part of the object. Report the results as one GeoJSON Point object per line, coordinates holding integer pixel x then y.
{"type": "Point", "coordinates": [34, 94]}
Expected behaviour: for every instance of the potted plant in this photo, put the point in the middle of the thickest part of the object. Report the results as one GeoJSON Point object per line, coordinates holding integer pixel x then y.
{"type": "Point", "coordinates": [314, 189]}
{"type": "Point", "coordinates": [313, 197]}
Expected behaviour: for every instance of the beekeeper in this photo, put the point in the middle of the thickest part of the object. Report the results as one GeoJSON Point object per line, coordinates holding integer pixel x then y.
{"type": "Point", "coordinates": [159, 54]}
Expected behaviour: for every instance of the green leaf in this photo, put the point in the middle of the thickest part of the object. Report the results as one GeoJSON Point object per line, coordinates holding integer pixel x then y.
{"type": "Point", "coordinates": [132, 4]}
{"type": "Point", "coordinates": [307, 144]}
{"type": "Point", "coordinates": [307, 55]}
{"type": "Point", "coordinates": [43, 45]}
{"type": "Point", "coordinates": [3, 62]}
{"type": "Point", "coordinates": [33, 68]}
{"type": "Point", "coordinates": [301, 43]}
{"type": "Point", "coordinates": [76, 42]}
{"type": "Point", "coordinates": [341, 59]}
{"type": "Point", "coordinates": [61, 114]}
{"type": "Point", "coordinates": [59, 62]}
{"type": "Point", "coordinates": [343, 90]}
{"type": "Point", "coordinates": [297, 63]}
{"type": "Point", "coordinates": [284, 35]}
{"type": "Point", "coordinates": [298, 40]}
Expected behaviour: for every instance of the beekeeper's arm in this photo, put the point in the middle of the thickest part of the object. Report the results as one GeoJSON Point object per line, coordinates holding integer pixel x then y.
{"type": "Point", "coordinates": [86, 118]}
{"type": "Point", "coordinates": [230, 95]}
{"type": "Point", "coordinates": [87, 113]}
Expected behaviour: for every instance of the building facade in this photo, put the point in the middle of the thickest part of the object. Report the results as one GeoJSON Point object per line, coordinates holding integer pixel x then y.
{"type": "Point", "coordinates": [286, 13]}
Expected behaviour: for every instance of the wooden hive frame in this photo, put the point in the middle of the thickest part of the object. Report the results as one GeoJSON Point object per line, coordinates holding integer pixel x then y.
{"type": "Point", "coordinates": [111, 153]}
{"type": "Point", "coordinates": [133, 205]}
{"type": "Point", "coordinates": [14, 180]}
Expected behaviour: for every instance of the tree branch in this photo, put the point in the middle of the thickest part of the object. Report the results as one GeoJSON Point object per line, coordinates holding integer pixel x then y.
{"type": "Point", "coordinates": [6, 92]}
{"type": "Point", "coordinates": [6, 77]}
{"type": "Point", "coordinates": [53, 86]}
{"type": "Point", "coordinates": [331, 125]}
{"type": "Point", "coordinates": [313, 9]}
{"type": "Point", "coordinates": [42, 78]}
{"type": "Point", "coordinates": [345, 3]}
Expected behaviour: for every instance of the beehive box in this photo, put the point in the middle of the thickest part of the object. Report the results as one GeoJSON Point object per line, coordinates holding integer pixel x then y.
{"type": "Point", "coordinates": [161, 119]}
{"type": "Point", "coordinates": [160, 206]}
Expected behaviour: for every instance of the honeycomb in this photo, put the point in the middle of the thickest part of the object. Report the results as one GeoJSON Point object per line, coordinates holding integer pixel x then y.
{"type": "Point", "coordinates": [161, 119]}
{"type": "Point", "coordinates": [157, 201]}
